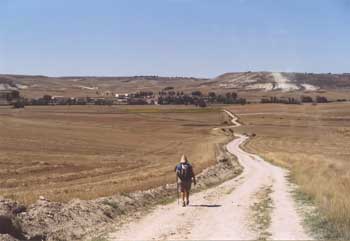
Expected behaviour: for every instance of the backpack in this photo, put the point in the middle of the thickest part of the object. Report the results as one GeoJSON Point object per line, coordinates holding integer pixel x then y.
{"type": "Point", "coordinates": [184, 172]}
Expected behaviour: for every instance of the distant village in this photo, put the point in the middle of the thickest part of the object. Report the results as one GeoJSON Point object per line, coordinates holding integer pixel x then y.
{"type": "Point", "coordinates": [167, 96]}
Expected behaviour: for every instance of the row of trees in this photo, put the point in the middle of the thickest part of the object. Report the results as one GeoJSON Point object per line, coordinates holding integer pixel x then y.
{"type": "Point", "coordinates": [10, 95]}
{"type": "Point", "coordinates": [228, 98]}
{"type": "Point", "coordinates": [321, 99]}
{"type": "Point", "coordinates": [292, 100]}
{"type": "Point", "coordinates": [49, 100]}
{"type": "Point", "coordinates": [181, 100]}
{"type": "Point", "coordinates": [166, 96]}
{"type": "Point", "coordinates": [318, 99]}
{"type": "Point", "coordinates": [277, 100]}
{"type": "Point", "coordinates": [198, 98]}
{"type": "Point", "coordinates": [142, 94]}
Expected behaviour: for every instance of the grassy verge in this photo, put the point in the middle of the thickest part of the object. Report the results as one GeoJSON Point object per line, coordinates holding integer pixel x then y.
{"type": "Point", "coordinates": [315, 221]}
{"type": "Point", "coordinates": [313, 143]}
{"type": "Point", "coordinates": [261, 213]}
{"type": "Point", "coordinates": [327, 211]}
{"type": "Point", "coordinates": [330, 220]}
{"type": "Point", "coordinates": [101, 238]}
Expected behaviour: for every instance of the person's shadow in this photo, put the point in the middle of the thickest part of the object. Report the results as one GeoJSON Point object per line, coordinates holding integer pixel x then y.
{"type": "Point", "coordinates": [205, 206]}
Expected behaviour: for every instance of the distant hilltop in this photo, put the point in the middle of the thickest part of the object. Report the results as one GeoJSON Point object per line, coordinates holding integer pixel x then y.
{"type": "Point", "coordinates": [285, 82]}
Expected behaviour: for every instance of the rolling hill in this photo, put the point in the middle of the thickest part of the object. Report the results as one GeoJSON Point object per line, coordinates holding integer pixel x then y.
{"type": "Point", "coordinates": [249, 84]}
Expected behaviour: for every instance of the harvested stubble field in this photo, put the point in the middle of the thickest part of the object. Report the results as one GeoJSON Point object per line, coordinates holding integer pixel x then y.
{"type": "Point", "coordinates": [65, 152]}
{"type": "Point", "coordinates": [313, 142]}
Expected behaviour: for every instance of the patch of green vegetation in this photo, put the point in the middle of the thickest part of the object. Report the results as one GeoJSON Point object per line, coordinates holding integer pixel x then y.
{"type": "Point", "coordinates": [126, 194]}
{"type": "Point", "coordinates": [314, 220]}
{"type": "Point", "coordinates": [111, 203]}
{"type": "Point", "coordinates": [168, 200]}
{"type": "Point", "coordinates": [262, 213]}
{"type": "Point", "coordinates": [102, 238]}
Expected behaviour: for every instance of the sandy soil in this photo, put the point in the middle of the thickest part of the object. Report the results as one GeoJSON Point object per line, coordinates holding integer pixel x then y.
{"type": "Point", "coordinates": [225, 212]}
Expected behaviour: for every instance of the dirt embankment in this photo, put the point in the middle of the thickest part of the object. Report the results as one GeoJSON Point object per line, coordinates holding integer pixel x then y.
{"type": "Point", "coordinates": [78, 219]}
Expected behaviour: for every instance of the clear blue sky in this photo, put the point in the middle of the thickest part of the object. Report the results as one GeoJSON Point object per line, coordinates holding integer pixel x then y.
{"type": "Point", "coordinates": [173, 37]}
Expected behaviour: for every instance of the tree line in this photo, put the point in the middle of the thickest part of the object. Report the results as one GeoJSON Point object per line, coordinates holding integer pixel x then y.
{"type": "Point", "coordinates": [292, 100]}
{"type": "Point", "coordinates": [198, 98]}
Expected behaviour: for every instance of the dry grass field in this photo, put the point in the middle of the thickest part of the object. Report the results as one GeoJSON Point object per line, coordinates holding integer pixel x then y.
{"type": "Point", "coordinates": [314, 143]}
{"type": "Point", "coordinates": [65, 152]}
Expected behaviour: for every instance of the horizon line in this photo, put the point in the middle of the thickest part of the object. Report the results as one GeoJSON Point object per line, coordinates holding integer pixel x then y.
{"type": "Point", "coordinates": [166, 76]}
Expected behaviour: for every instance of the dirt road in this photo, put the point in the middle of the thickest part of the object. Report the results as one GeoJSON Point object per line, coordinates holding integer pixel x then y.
{"type": "Point", "coordinates": [256, 204]}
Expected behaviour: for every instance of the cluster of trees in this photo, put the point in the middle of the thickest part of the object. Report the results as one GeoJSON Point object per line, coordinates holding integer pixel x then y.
{"type": "Point", "coordinates": [142, 94]}
{"type": "Point", "coordinates": [321, 99]}
{"type": "Point", "coordinates": [137, 101]}
{"type": "Point", "coordinates": [100, 102]}
{"type": "Point", "coordinates": [181, 100]}
{"type": "Point", "coordinates": [170, 97]}
{"type": "Point", "coordinates": [307, 99]}
{"type": "Point", "coordinates": [10, 95]}
{"type": "Point", "coordinates": [228, 98]}
{"type": "Point", "coordinates": [170, 92]}
{"type": "Point", "coordinates": [139, 98]}
{"type": "Point", "coordinates": [168, 88]}
{"type": "Point", "coordinates": [49, 100]}
{"type": "Point", "coordinates": [292, 100]}
{"type": "Point", "coordinates": [198, 98]}
{"type": "Point", "coordinates": [275, 99]}
{"type": "Point", "coordinates": [318, 99]}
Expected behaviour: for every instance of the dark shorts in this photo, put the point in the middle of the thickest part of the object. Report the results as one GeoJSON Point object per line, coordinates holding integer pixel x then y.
{"type": "Point", "coordinates": [185, 186]}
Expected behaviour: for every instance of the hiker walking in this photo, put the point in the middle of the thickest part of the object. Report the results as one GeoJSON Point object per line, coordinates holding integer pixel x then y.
{"type": "Point", "coordinates": [184, 177]}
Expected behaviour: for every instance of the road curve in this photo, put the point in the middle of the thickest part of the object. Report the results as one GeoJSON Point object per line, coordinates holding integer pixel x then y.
{"type": "Point", "coordinates": [225, 212]}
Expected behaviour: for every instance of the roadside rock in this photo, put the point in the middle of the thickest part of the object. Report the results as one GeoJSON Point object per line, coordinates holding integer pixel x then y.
{"type": "Point", "coordinates": [8, 221]}
{"type": "Point", "coordinates": [10, 208]}
{"type": "Point", "coordinates": [6, 237]}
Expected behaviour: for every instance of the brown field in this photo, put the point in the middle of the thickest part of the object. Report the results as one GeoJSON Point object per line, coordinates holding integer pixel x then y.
{"type": "Point", "coordinates": [64, 152]}
{"type": "Point", "coordinates": [86, 152]}
{"type": "Point", "coordinates": [314, 143]}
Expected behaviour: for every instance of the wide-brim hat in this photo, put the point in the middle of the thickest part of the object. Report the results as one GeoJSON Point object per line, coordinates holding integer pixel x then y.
{"type": "Point", "coordinates": [183, 159]}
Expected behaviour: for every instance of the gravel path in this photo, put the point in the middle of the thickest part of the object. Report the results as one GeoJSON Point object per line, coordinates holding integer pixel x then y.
{"type": "Point", "coordinates": [225, 212]}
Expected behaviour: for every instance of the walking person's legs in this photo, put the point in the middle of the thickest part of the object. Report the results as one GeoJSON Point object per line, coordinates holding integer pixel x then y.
{"type": "Point", "coordinates": [183, 198]}
{"type": "Point", "coordinates": [185, 190]}
{"type": "Point", "coordinates": [188, 197]}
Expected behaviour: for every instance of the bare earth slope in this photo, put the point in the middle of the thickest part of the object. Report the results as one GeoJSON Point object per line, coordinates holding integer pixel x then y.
{"type": "Point", "coordinates": [228, 211]}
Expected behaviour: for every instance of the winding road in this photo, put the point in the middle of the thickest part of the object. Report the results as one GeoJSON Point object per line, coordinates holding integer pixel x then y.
{"type": "Point", "coordinates": [256, 204]}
